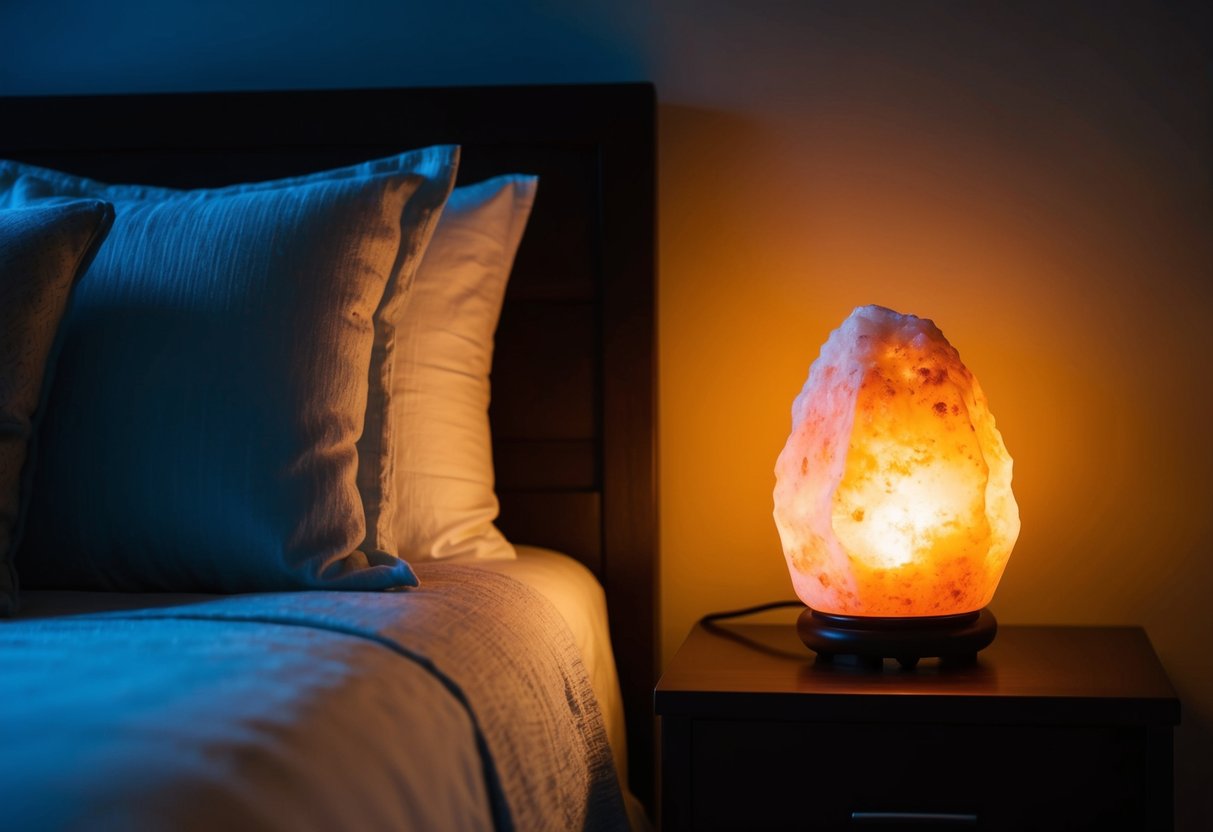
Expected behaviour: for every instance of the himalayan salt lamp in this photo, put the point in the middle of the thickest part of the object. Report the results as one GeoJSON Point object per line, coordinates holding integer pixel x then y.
{"type": "Point", "coordinates": [893, 494]}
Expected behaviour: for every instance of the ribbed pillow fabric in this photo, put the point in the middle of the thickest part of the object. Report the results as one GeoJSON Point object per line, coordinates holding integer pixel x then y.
{"type": "Point", "coordinates": [444, 459]}
{"type": "Point", "coordinates": [221, 359]}
{"type": "Point", "coordinates": [43, 251]}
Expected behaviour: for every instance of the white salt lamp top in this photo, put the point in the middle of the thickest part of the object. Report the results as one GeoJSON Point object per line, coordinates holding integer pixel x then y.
{"type": "Point", "coordinates": [893, 492]}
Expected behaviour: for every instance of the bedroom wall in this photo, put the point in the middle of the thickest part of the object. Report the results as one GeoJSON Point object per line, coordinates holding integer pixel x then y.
{"type": "Point", "coordinates": [1034, 176]}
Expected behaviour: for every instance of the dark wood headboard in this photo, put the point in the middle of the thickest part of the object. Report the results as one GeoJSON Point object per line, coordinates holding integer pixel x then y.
{"type": "Point", "coordinates": [573, 375]}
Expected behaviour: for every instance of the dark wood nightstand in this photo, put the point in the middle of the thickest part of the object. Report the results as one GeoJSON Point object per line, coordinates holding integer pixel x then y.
{"type": "Point", "coordinates": [1064, 728]}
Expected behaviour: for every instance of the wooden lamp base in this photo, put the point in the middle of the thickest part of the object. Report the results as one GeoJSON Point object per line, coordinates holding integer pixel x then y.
{"type": "Point", "coordinates": [952, 638]}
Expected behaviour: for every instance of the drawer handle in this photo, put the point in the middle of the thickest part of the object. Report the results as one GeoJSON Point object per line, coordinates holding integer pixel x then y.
{"type": "Point", "coordinates": [950, 819]}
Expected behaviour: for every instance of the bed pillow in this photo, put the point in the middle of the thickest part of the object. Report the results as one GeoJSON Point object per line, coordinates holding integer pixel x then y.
{"type": "Point", "coordinates": [446, 504]}
{"type": "Point", "coordinates": [42, 253]}
{"type": "Point", "coordinates": [220, 360]}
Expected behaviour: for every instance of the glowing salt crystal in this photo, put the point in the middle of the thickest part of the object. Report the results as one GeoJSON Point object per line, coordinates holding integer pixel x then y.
{"type": "Point", "coordinates": [893, 493]}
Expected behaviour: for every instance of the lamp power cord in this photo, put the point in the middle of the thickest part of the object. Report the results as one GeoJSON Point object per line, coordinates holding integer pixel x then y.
{"type": "Point", "coordinates": [744, 611]}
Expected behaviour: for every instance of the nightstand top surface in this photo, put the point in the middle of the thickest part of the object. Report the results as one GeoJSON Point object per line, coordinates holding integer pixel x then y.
{"type": "Point", "coordinates": [1093, 674]}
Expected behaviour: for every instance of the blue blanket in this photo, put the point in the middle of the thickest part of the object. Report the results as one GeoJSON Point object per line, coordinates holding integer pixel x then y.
{"type": "Point", "coordinates": [459, 705]}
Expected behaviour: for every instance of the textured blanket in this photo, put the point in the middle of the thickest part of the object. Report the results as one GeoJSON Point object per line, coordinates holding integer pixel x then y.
{"type": "Point", "coordinates": [459, 705]}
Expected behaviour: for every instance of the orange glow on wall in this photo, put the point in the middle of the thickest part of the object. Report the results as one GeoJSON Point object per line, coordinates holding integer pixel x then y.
{"type": "Point", "coordinates": [893, 493]}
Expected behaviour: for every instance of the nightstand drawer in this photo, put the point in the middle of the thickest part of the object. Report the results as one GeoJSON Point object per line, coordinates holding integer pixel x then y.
{"type": "Point", "coordinates": [797, 775]}
{"type": "Point", "coordinates": [1053, 728]}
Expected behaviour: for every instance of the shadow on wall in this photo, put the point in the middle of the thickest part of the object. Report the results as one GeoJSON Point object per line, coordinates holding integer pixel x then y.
{"type": "Point", "coordinates": [1193, 765]}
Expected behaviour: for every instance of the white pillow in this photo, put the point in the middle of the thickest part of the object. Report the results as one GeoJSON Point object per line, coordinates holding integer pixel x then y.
{"type": "Point", "coordinates": [443, 456]}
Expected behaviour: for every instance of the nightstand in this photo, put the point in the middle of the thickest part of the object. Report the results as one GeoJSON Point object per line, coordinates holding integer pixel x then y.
{"type": "Point", "coordinates": [1064, 728]}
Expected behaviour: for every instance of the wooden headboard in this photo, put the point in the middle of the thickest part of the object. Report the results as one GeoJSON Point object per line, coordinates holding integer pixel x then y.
{"type": "Point", "coordinates": [573, 375]}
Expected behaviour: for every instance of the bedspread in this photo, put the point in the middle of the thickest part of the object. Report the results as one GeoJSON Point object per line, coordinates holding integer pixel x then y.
{"type": "Point", "coordinates": [459, 705]}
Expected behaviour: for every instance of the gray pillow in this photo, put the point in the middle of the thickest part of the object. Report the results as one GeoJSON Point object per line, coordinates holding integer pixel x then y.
{"type": "Point", "coordinates": [220, 361]}
{"type": "Point", "coordinates": [43, 251]}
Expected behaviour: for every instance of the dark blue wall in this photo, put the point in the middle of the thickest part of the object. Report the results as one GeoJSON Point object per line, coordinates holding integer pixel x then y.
{"type": "Point", "coordinates": [153, 45]}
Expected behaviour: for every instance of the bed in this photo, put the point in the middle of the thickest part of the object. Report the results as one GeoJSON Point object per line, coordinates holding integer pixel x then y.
{"type": "Point", "coordinates": [498, 693]}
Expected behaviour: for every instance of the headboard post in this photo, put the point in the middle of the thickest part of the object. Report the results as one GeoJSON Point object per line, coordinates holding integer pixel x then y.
{"type": "Point", "coordinates": [630, 527]}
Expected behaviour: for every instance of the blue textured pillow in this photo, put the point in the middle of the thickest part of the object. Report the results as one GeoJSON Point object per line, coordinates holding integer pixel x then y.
{"type": "Point", "coordinates": [43, 251]}
{"type": "Point", "coordinates": [220, 360]}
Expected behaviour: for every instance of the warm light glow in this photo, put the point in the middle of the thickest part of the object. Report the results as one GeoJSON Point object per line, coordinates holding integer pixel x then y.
{"type": "Point", "coordinates": [893, 493]}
